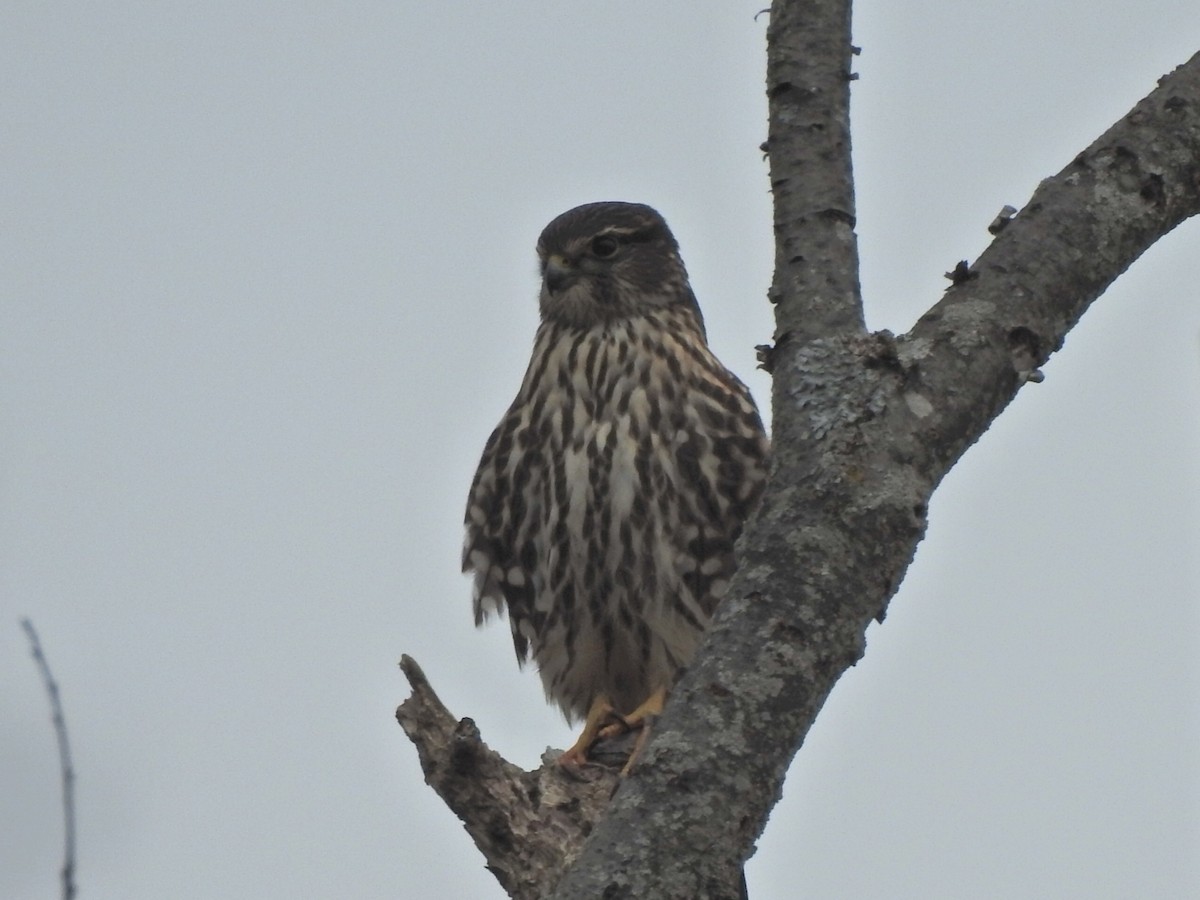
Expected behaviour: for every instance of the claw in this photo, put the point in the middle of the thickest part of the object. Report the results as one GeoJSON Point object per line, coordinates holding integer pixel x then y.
{"type": "Point", "coordinates": [604, 722]}
{"type": "Point", "coordinates": [598, 720]}
{"type": "Point", "coordinates": [642, 717]}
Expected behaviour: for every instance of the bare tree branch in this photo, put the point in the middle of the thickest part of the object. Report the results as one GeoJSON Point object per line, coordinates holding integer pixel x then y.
{"type": "Point", "coordinates": [815, 291]}
{"type": "Point", "coordinates": [1081, 229]}
{"type": "Point", "coordinates": [528, 825]}
{"type": "Point", "coordinates": [864, 428]}
{"type": "Point", "coordinates": [64, 760]}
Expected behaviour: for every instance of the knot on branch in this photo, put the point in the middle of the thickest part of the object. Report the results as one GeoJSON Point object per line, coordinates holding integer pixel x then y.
{"type": "Point", "coordinates": [1026, 349]}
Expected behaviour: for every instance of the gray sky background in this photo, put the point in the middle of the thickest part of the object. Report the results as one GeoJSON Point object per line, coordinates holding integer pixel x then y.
{"type": "Point", "coordinates": [268, 282]}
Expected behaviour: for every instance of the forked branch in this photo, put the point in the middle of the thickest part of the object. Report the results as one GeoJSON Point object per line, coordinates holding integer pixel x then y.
{"type": "Point", "coordinates": [865, 427]}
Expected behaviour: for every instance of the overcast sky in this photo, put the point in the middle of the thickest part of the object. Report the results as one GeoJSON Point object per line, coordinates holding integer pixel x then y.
{"type": "Point", "coordinates": [267, 284]}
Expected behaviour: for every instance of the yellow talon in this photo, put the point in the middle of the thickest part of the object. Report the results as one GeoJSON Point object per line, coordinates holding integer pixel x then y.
{"type": "Point", "coordinates": [604, 722]}
{"type": "Point", "coordinates": [598, 719]}
{"type": "Point", "coordinates": [651, 707]}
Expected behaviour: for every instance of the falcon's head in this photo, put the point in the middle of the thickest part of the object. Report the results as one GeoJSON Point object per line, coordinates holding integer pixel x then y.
{"type": "Point", "coordinates": [610, 260]}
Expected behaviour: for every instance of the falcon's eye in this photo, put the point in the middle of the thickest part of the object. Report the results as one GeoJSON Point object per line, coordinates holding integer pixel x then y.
{"type": "Point", "coordinates": [604, 246]}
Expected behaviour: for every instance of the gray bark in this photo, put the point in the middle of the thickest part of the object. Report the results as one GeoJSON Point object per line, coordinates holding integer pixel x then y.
{"type": "Point", "coordinates": [528, 825]}
{"type": "Point", "coordinates": [864, 427]}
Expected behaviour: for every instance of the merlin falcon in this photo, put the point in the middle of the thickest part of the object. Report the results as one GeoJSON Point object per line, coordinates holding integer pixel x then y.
{"type": "Point", "coordinates": [605, 509]}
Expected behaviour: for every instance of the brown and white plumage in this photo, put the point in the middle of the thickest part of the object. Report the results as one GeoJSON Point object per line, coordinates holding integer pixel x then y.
{"type": "Point", "coordinates": [604, 512]}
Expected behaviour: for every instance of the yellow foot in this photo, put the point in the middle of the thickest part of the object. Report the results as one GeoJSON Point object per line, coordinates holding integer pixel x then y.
{"type": "Point", "coordinates": [642, 718]}
{"type": "Point", "coordinates": [638, 746]}
{"type": "Point", "coordinates": [604, 722]}
{"type": "Point", "coordinates": [650, 708]}
{"type": "Point", "coordinates": [599, 718]}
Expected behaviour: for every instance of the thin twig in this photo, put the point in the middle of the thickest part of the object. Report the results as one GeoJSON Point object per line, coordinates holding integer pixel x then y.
{"type": "Point", "coordinates": [64, 758]}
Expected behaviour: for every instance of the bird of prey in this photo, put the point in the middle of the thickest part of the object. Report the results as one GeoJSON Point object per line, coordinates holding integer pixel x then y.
{"type": "Point", "coordinates": [604, 512]}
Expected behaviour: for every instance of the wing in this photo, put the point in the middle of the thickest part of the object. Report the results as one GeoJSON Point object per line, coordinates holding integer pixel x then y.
{"type": "Point", "coordinates": [497, 507]}
{"type": "Point", "coordinates": [724, 468]}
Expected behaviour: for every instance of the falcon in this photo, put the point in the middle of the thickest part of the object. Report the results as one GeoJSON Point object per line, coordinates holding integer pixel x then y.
{"type": "Point", "coordinates": [606, 507]}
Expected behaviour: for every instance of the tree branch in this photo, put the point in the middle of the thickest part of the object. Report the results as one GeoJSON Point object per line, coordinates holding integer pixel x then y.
{"type": "Point", "coordinates": [864, 429]}
{"type": "Point", "coordinates": [816, 288]}
{"type": "Point", "coordinates": [528, 825]}
{"type": "Point", "coordinates": [66, 770]}
{"type": "Point", "coordinates": [1081, 229]}
{"type": "Point", "coordinates": [865, 426]}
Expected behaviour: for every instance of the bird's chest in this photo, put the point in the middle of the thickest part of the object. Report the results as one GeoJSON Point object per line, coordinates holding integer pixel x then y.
{"type": "Point", "coordinates": [610, 438]}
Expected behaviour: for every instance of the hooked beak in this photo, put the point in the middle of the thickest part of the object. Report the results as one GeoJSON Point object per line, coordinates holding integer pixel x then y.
{"type": "Point", "coordinates": [559, 273]}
